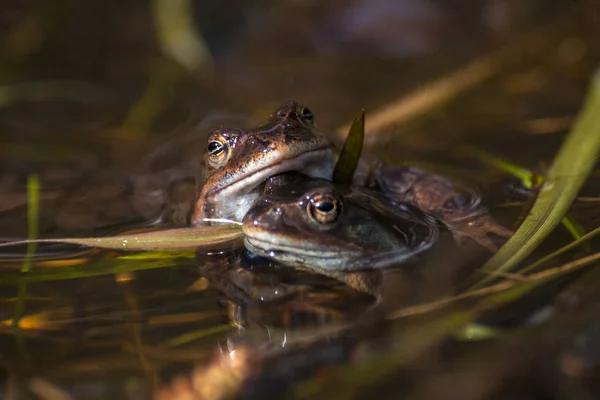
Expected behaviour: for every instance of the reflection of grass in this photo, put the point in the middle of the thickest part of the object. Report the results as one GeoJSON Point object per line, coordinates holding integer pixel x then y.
{"type": "Point", "coordinates": [33, 201]}
{"type": "Point", "coordinates": [33, 198]}
{"type": "Point", "coordinates": [94, 268]}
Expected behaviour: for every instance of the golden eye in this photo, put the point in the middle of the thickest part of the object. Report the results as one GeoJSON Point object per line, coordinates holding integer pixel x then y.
{"type": "Point", "coordinates": [217, 150]}
{"type": "Point", "coordinates": [324, 208]}
{"type": "Point", "coordinates": [215, 147]}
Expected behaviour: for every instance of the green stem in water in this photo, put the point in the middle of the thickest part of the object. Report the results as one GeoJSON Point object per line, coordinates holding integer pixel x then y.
{"type": "Point", "coordinates": [571, 167]}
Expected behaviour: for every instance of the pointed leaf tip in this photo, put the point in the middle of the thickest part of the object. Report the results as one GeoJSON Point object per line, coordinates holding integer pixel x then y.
{"type": "Point", "coordinates": [350, 155]}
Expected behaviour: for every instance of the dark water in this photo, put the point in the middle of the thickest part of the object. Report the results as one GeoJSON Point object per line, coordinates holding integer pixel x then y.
{"type": "Point", "coordinates": [114, 127]}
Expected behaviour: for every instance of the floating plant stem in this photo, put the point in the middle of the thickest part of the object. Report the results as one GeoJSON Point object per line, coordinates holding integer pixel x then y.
{"type": "Point", "coordinates": [213, 237]}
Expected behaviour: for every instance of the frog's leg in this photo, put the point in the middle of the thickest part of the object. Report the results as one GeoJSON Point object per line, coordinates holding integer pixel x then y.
{"type": "Point", "coordinates": [479, 230]}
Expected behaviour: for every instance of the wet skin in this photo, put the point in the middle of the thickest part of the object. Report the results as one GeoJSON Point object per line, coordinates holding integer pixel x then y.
{"type": "Point", "coordinates": [457, 206]}
{"type": "Point", "coordinates": [238, 161]}
{"type": "Point", "coordinates": [316, 224]}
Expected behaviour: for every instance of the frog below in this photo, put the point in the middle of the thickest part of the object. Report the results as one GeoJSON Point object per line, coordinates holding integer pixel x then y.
{"type": "Point", "coordinates": [316, 224]}
{"type": "Point", "coordinates": [238, 161]}
{"type": "Point", "coordinates": [457, 206]}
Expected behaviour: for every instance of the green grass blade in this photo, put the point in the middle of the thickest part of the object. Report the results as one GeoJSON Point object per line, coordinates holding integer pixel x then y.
{"type": "Point", "coordinates": [346, 165]}
{"type": "Point", "coordinates": [574, 227]}
{"type": "Point", "coordinates": [526, 176]}
{"type": "Point", "coordinates": [213, 237]}
{"type": "Point", "coordinates": [527, 179]}
{"type": "Point", "coordinates": [178, 35]}
{"type": "Point", "coordinates": [570, 169]}
{"type": "Point", "coordinates": [474, 332]}
{"type": "Point", "coordinates": [533, 281]}
{"type": "Point", "coordinates": [580, 241]}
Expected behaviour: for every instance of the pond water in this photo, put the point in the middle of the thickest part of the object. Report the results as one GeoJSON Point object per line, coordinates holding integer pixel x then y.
{"type": "Point", "coordinates": [109, 107]}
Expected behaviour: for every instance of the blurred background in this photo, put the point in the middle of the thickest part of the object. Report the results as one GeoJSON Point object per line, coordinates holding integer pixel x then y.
{"type": "Point", "coordinates": [107, 88]}
{"type": "Point", "coordinates": [109, 103]}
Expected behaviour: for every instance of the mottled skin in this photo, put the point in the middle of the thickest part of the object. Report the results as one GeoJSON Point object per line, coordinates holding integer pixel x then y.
{"type": "Point", "coordinates": [238, 161]}
{"type": "Point", "coordinates": [456, 205]}
{"type": "Point", "coordinates": [316, 224]}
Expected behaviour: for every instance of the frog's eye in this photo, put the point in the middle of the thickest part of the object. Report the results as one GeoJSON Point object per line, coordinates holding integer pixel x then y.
{"type": "Point", "coordinates": [324, 208]}
{"type": "Point", "coordinates": [218, 150]}
{"type": "Point", "coordinates": [306, 115]}
{"type": "Point", "coordinates": [215, 148]}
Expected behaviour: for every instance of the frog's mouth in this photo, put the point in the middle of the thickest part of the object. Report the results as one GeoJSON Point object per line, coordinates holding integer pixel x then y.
{"type": "Point", "coordinates": [223, 198]}
{"type": "Point", "coordinates": [310, 163]}
{"type": "Point", "coordinates": [278, 251]}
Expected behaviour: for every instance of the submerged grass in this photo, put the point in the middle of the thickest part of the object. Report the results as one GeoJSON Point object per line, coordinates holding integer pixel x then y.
{"type": "Point", "coordinates": [195, 335]}
{"type": "Point", "coordinates": [501, 293]}
{"type": "Point", "coordinates": [33, 211]}
{"type": "Point", "coordinates": [419, 335]}
{"type": "Point", "coordinates": [92, 268]}
{"type": "Point", "coordinates": [580, 241]}
{"type": "Point", "coordinates": [571, 167]}
{"type": "Point", "coordinates": [33, 197]}
{"type": "Point", "coordinates": [530, 180]}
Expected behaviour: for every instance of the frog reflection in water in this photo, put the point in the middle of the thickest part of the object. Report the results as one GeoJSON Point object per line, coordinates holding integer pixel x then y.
{"type": "Point", "coordinates": [316, 224]}
{"type": "Point", "coordinates": [238, 161]}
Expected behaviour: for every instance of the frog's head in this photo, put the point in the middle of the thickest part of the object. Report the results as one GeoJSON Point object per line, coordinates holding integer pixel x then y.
{"type": "Point", "coordinates": [238, 161]}
{"type": "Point", "coordinates": [317, 224]}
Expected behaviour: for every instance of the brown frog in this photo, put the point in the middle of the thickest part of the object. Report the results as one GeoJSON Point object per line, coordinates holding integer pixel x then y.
{"type": "Point", "coordinates": [316, 224]}
{"type": "Point", "coordinates": [238, 161]}
{"type": "Point", "coordinates": [457, 206]}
